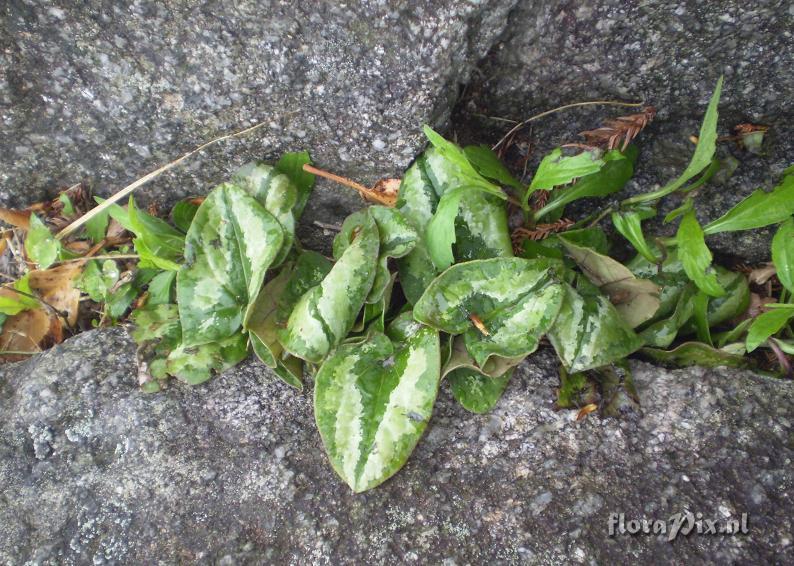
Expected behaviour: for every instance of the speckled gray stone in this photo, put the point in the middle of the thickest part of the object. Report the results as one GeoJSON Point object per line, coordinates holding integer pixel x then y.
{"type": "Point", "coordinates": [667, 54]}
{"type": "Point", "coordinates": [111, 90]}
{"type": "Point", "coordinates": [93, 470]}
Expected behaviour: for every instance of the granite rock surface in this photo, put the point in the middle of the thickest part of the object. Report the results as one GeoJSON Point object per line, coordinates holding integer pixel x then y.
{"type": "Point", "coordinates": [94, 471]}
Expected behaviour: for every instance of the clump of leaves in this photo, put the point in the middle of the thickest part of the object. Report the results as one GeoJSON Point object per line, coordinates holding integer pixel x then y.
{"type": "Point", "coordinates": [429, 286]}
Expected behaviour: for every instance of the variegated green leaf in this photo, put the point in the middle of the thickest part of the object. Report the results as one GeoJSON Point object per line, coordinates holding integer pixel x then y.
{"type": "Point", "coordinates": [309, 271]}
{"type": "Point", "coordinates": [397, 238]}
{"type": "Point", "coordinates": [589, 332]}
{"type": "Point", "coordinates": [325, 313]}
{"type": "Point", "coordinates": [231, 243]}
{"type": "Point", "coordinates": [697, 354]}
{"type": "Point", "coordinates": [276, 193]}
{"type": "Point", "coordinates": [291, 164]}
{"type": "Point", "coordinates": [515, 330]}
{"type": "Point", "coordinates": [661, 333]}
{"type": "Point", "coordinates": [637, 300]}
{"type": "Point", "coordinates": [476, 392]}
{"type": "Point", "coordinates": [372, 401]}
{"type": "Point", "coordinates": [196, 364]}
{"type": "Point", "coordinates": [417, 201]}
{"type": "Point", "coordinates": [479, 288]}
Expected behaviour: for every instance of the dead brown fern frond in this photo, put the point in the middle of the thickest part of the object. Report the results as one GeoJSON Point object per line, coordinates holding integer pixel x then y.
{"type": "Point", "coordinates": [619, 131]}
{"type": "Point", "coordinates": [540, 231]}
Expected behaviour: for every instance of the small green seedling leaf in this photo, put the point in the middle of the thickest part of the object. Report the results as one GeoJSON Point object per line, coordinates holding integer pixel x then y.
{"type": "Point", "coordinates": [373, 400]}
{"type": "Point", "coordinates": [629, 224]}
{"type": "Point", "coordinates": [488, 164]}
{"type": "Point", "coordinates": [767, 324]}
{"type": "Point", "coordinates": [758, 210]}
{"type": "Point", "coordinates": [556, 169]}
{"type": "Point", "coordinates": [611, 178]}
{"type": "Point", "coordinates": [12, 303]}
{"type": "Point", "coordinates": [695, 256]}
{"type": "Point", "coordinates": [40, 244]}
{"type": "Point", "coordinates": [783, 254]}
{"type": "Point", "coordinates": [701, 158]}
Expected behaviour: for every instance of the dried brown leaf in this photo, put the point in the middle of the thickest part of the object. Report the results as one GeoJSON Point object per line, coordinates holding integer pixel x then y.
{"type": "Point", "coordinates": [29, 331]}
{"type": "Point", "coordinates": [55, 286]}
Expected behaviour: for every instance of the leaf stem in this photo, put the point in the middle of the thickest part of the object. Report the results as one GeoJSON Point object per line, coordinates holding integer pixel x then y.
{"type": "Point", "coordinates": [365, 192]}
{"type": "Point", "coordinates": [520, 125]}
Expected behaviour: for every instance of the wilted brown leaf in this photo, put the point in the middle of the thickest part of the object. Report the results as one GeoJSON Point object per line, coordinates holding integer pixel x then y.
{"type": "Point", "coordinates": [387, 189]}
{"type": "Point", "coordinates": [29, 331]}
{"type": "Point", "coordinates": [55, 286]}
{"type": "Point", "coordinates": [586, 410]}
{"type": "Point", "coordinates": [760, 275]}
{"type": "Point", "coordinates": [18, 218]}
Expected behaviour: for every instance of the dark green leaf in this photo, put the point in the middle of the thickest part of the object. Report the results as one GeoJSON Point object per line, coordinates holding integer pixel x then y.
{"type": "Point", "coordinates": [276, 193]}
{"type": "Point", "coordinates": [325, 314]}
{"type": "Point", "coordinates": [397, 238]}
{"type": "Point", "coordinates": [661, 333]}
{"type": "Point", "coordinates": [589, 332]}
{"type": "Point", "coordinates": [196, 364]}
{"type": "Point", "coordinates": [182, 214]}
{"type": "Point", "coordinates": [696, 354]}
{"type": "Point", "coordinates": [700, 316]}
{"type": "Point", "coordinates": [291, 165]}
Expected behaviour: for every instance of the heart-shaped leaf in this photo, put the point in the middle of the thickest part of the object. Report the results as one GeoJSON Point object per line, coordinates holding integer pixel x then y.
{"type": "Point", "coordinates": [325, 314]}
{"type": "Point", "coordinates": [231, 243]}
{"type": "Point", "coordinates": [589, 332]}
{"type": "Point", "coordinates": [478, 288]}
{"type": "Point", "coordinates": [372, 401]}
